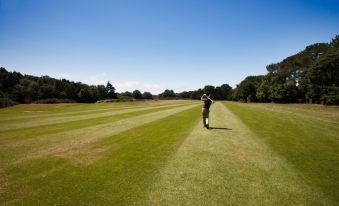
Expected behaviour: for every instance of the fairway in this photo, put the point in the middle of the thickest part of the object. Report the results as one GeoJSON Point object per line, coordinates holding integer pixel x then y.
{"type": "Point", "coordinates": [158, 153]}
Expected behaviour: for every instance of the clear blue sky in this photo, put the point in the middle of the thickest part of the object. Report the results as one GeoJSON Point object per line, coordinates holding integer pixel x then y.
{"type": "Point", "coordinates": [158, 44]}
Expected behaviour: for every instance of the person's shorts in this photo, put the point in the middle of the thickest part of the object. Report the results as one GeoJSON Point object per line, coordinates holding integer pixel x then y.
{"type": "Point", "coordinates": [205, 113]}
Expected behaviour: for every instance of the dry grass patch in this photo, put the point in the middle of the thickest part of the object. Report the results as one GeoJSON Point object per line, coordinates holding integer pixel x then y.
{"type": "Point", "coordinates": [86, 155]}
{"type": "Point", "coordinates": [242, 155]}
{"type": "Point", "coordinates": [3, 181]}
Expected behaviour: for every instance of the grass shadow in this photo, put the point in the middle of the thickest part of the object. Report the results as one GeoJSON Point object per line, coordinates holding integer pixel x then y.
{"type": "Point", "coordinates": [223, 128]}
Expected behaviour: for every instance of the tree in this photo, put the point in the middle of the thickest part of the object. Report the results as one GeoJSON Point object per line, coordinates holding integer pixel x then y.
{"type": "Point", "coordinates": [47, 91]}
{"type": "Point", "coordinates": [209, 90]}
{"type": "Point", "coordinates": [85, 95]}
{"type": "Point", "coordinates": [323, 79]}
{"type": "Point", "coordinates": [167, 94]}
{"type": "Point", "coordinates": [184, 95]}
{"type": "Point", "coordinates": [137, 94]}
{"type": "Point", "coordinates": [247, 89]}
{"type": "Point", "coordinates": [27, 88]}
{"type": "Point", "coordinates": [197, 94]}
{"type": "Point", "coordinates": [147, 95]}
{"type": "Point", "coordinates": [26, 91]}
{"type": "Point", "coordinates": [110, 91]}
{"type": "Point", "coordinates": [264, 88]}
{"type": "Point", "coordinates": [127, 94]}
{"type": "Point", "coordinates": [72, 90]}
{"type": "Point", "coordinates": [102, 92]}
{"type": "Point", "coordinates": [335, 42]}
{"type": "Point", "coordinates": [226, 92]}
{"type": "Point", "coordinates": [272, 68]}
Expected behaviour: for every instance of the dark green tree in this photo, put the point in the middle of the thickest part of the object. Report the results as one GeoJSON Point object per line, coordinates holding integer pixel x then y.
{"type": "Point", "coordinates": [247, 89]}
{"type": "Point", "coordinates": [167, 94]}
{"type": "Point", "coordinates": [127, 94]}
{"type": "Point", "coordinates": [147, 95]}
{"type": "Point", "coordinates": [137, 94]}
{"type": "Point", "coordinates": [110, 91]}
{"type": "Point", "coordinates": [85, 95]}
{"type": "Point", "coordinates": [209, 90]}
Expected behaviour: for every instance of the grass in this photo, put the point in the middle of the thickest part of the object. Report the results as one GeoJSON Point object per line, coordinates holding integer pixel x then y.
{"type": "Point", "coordinates": [308, 140]}
{"type": "Point", "coordinates": [157, 153]}
{"type": "Point", "coordinates": [231, 165]}
{"type": "Point", "coordinates": [55, 179]}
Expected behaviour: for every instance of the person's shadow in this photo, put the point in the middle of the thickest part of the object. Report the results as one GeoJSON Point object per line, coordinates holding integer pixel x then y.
{"type": "Point", "coordinates": [222, 128]}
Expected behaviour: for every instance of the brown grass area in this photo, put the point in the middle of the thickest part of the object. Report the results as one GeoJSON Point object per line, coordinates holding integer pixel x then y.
{"type": "Point", "coordinates": [84, 156]}
{"type": "Point", "coordinates": [242, 155]}
{"type": "Point", "coordinates": [3, 181]}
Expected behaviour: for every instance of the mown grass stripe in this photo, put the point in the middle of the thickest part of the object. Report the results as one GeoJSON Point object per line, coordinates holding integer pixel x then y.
{"type": "Point", "coordinates": [39, 110]}
{"type": "Point", "coordinates": [61, 114]}
{"type": "Point", "coordinates": [33, 110]}
{"type": "Point", "coordinates": [310, 111]}
{"type": "Point", "coordinates": [63, 119]}
{"type": "Point", "coordinates": [36, 131]}
{"type": "Point", "coordinates": [119, 178]}
{"type": "Point", "coordinates": [228, 165]}
{"type": "Point", "coordinates": [73, 140]}
{"type": "Point", "coordinates": [64, 111]}
{"type": "Point", "coordinates": [311, 146]}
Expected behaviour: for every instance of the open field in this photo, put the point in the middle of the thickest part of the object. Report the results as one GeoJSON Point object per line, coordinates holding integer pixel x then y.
{"type": "Point", "coordinates": [157, 153]}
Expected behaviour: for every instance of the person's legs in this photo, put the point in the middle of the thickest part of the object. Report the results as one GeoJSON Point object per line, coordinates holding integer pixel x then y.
{"type": "Point", "coordinates": [203, 117]}
{"type": "Point", "coordinates": [207, 118]}
{"type": "Point", "coordinates": [205, 114]}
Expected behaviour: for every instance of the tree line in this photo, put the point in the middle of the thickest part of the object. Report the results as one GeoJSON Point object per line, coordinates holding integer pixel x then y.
{"type": "Point", "coordinates": [223, 92]}
{"type": "Point", "coordinates": [310, 76]}
{"type": "Point", "coordinates": [18, 88]}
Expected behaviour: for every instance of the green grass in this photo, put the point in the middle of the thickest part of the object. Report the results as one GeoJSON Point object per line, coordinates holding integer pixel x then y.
{"type": "Point", "coordinates": [113, 161]}
{"type": "Point", "coordinates": [133, 158]}
{"type": "Point", "coordinates": [309, 141]}
{"type": "Point", "coordinates": [157, 153]}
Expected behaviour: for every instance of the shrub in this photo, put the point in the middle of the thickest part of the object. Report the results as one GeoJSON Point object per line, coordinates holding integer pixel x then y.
{"type": "Point", "coordinates": [330, 99]}
{"type": "Point", "coordinates": [6, 102]}
{"type": "Point", "coordinates": [125, 98]}
{"type": "Point", "coordinates": [54, 101]}
{"type": "Point", "coordinates": [108, 100]}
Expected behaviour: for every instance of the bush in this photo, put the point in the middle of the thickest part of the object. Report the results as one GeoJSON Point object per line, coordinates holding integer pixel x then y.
{"type": "Point", "coordinates": [6, 102]}
{"type": "Point", "coordinates": [54, 101]}
{"type": "Point", "coordinates": [125, 98]}
{"type": "Point", "coordinates": [108, 100]}
{"type": "Point", "coordinates": [330, 99]}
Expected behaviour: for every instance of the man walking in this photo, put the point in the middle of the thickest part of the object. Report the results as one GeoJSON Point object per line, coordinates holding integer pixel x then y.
{"type": "Point", "coordinates": [206, 109]}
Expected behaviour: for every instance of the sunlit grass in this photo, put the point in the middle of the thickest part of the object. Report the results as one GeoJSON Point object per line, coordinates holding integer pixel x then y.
{"type": "Point", "coordinates": [307, 140]}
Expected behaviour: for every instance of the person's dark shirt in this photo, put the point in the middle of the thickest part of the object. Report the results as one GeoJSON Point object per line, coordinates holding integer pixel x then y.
{"type": "Point", "coordinates": [207, 103]}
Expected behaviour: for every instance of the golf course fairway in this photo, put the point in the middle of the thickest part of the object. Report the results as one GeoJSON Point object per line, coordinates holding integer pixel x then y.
{"type": "Point", "coordinates": [158, 153]}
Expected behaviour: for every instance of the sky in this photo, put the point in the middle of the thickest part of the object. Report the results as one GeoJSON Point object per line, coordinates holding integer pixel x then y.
{"type": "Point", "coordinates": [152, 45]}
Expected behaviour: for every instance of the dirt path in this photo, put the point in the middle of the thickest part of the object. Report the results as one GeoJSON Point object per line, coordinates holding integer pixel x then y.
{"type": "Point", "coordinates": [228, 165]}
